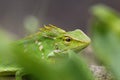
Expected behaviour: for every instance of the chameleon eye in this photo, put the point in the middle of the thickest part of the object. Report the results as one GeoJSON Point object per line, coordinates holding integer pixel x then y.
{"type": "Point", "coordinates": [67, 39]}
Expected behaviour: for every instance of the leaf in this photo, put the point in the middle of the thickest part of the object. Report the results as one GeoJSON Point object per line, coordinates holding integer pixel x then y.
{"type": "Point", "coordinates": [76, 69]}
{"type": "Point", "coordinates": [106, 37]}
{"type": "Point", "coordinates": [73, 68]}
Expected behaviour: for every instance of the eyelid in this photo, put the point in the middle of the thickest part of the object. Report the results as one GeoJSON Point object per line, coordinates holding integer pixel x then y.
{"type": "Point", "coordinates": [67, 38]}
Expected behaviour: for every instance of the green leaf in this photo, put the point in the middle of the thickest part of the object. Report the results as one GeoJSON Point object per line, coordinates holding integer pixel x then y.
{"type": "Point", "coordinates": [76, 69]}
{"type": "Point", "coordinates": [106, 37]}
{"type": "Point", "coordinates": [73, 68]}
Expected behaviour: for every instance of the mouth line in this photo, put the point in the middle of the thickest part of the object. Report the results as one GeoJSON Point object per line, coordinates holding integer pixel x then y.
{"type": "Point", "coordinates": [77, 49]}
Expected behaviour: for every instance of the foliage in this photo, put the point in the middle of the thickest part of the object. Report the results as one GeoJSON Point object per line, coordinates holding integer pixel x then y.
{"type": "Point", "coordinates": [106, 38]}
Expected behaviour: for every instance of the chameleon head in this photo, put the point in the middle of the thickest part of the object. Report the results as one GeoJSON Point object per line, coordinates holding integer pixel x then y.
{"type": "Point", "coordinates": [73, 40]}
{"type": "Point", "coordinates": [61, 41]}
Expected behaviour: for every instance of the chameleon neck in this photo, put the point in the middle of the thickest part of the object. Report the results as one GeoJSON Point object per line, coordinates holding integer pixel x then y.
{"type": "Point", "coordinates": [41, 46]}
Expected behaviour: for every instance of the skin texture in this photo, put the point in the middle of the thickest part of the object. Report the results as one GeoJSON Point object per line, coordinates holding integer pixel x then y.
{"type": "Point", "coordinates": [49, 42]}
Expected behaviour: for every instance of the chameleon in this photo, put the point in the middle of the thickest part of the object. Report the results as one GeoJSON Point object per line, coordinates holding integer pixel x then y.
{"type": "Point", "coordinates": [50, 41]}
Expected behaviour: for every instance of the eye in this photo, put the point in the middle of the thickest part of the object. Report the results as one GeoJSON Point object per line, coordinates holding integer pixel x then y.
{"type": "Point", "coordinates": [67, 39]}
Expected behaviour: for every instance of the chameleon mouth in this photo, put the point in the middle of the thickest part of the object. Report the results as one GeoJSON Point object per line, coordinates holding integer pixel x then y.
{"type": "Point", "coordinates": [79, 48]}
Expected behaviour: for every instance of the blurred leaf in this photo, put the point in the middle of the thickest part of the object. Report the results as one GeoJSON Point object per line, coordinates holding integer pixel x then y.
{"type": "Point", "coordinates": [6, 40]}
{"type": "Point", "coordinates": [106, 37]}
{"type": "Point", "coordinates": [5, 37]}
{"type": "Point", "coordinates": [32, 65]}
{"type": "Point", "coordinates": [73, 68]}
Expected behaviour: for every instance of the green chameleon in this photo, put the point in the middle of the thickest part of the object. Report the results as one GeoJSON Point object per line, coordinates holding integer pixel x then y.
{"type": "Point", "coordinates": [49, 42]}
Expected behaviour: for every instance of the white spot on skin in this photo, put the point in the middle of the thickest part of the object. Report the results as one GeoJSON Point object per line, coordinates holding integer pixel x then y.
{"type": "Point", "coordinates": [51, 54]}
{"type": "Point", "coordinates": [56, 51]}
{"type": "Point", "coordinates": [41, 47]}
{"type": "Point", "coordinates": [39, 43]}
{"type": "Point", "coordinates": [36, 42]}
{"type": "Point", "coordinates": [54, 38]}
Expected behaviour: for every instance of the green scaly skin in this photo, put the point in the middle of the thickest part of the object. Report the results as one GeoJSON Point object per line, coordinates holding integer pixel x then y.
{"type": "Point", "coordinates": [50, 41]}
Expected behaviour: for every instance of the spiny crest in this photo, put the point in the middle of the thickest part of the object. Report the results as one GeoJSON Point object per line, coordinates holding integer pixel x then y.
{"type": "Point", "coordinates": [51, 28]}
{"type": "Point", "coordinates": [51, 31]}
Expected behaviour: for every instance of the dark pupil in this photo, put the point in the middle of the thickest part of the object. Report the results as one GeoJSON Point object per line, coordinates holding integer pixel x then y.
{"type": "Point", "coordinates": [68, 39]}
